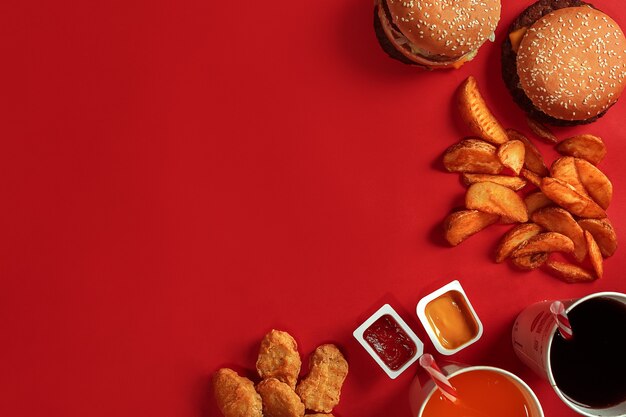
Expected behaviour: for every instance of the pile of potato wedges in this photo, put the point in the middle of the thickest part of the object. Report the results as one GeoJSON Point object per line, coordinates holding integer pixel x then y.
{"type": "Point", "coordinates": [560, 209]}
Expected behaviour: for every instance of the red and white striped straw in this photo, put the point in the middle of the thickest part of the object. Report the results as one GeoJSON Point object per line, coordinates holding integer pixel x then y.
{"type": "Point", "coordinates": [428, 363]}
{"type": "Point", "coordinates": [558, 312]}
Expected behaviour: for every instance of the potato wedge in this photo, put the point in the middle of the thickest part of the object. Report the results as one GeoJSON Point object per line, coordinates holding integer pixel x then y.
{"type": "Point", "coordinates": [555, 219]}
{"type": "Point", "coordinates": [511, 155]}
{"type": "Point", "coordinates": [496, 199]}
{"type": "Point", "coordinates": [565, 169]}
{"type": "Point", "coordinates": [532, 178]}
{"type": "Point", "coordinates": [542, 131]}
{"type": "Point", "coordinates": [514, 183]}
{"type": "Point", "coordinates": [595, 256]}
{"type": "Point", "coordinates": [530, 262]}
{"type": "Point", "coordinates": [595, 182]}
{"type": "Point", "coordinates": [588, 147]}
{"type": "Point", "coordinates": [603, 233]}
{"type": "Point", "coordinates": [460, 225]}
{"type": "Point", "coordinates": [476, 114]}
{"type": "Point", "coordinates": [545, 242]}
{"type": "Point", "coordinates": [532, 157]}
{"type": "Point", "coordinates": [568, 272]}
{"type": "Point", "coordinates": [567, 197]}
{"type": "Point", "coordinates": [514, 238]}
{"type": "Point", "coordinates": [536, 201]}
{"type": "Point", "coordinates": [474, 156]}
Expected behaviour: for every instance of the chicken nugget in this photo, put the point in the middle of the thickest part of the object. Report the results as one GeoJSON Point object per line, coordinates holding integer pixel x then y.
{"type": "Point", "coordinates": [235, 395]}
{"type": "Point", "coordinates": [279, 358]}
{"type": "Point", "coordinates": [321, 388]}
{"type": "Point", "coordinates": [279, 399]}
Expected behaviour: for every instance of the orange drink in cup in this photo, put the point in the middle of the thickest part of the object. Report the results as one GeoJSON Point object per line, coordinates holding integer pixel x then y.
{"type": "Point", "coordinates": [481, 391]}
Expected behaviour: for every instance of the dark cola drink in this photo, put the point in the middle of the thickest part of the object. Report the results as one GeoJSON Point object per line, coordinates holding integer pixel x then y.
{"type": "Point", "coordinates": [590, 369]}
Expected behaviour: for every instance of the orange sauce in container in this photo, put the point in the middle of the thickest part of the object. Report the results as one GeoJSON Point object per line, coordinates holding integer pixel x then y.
{"type": "Point", "coordinates": [451, 319]}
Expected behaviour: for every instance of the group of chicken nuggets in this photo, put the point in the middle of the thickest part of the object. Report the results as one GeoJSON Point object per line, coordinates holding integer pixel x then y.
{"type": "Point", "coordinates": [279, 394]}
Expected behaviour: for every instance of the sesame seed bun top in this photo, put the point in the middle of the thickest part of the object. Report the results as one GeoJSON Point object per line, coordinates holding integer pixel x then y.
{"type": "Point", "coordinates": [572, 63]}
{"type": "Point", "coordinates": [449, 28]}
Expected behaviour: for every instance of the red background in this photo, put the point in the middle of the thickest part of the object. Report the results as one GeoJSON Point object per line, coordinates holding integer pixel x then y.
{"type": "Point", "coordinates": [179, 177]}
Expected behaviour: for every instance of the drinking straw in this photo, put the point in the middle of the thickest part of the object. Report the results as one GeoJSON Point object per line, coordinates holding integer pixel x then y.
{"type": "Point", "coordinates": [428, 363]}
{"type": "Point", "coordinates": [558, 312]}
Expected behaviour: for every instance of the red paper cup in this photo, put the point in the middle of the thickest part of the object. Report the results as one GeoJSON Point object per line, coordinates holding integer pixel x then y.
{"type": "Point", "coordinates": [534, 338]}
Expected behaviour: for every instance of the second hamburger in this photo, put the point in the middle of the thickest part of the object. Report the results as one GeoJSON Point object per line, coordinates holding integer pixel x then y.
{"type": "Point", "coordinates": [564, 62]}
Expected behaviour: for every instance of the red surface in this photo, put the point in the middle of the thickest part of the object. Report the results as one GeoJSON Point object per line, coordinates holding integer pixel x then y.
{"type": "Point", "coordinates": [178, 178]}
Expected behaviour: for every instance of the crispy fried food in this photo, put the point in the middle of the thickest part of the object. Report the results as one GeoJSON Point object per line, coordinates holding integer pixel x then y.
{"type": "Point", "coordinates": [568, 272]}
{"type": "Point", "coordinates": [541, 130]}
{"type": "Point", "coordinates": [514, 238]}
{"type": "Point", "coordinates": [532, 157]}
{"type": "Point", "coordinates": [565, 169]}
{"type": "Point", "coordinates": [530, 262]}
{"type": "Point", "coordinates": [595, 256]}
{"type": "Point", "coordinates": [603, 233]}
{"type": "Point", "coordinates": [536, 201]}
{"type": "Point", "coordinates": [476, 114]}
{"type": "Point", "coordinates": [496, 199]}
{"type": "Point", "coordinates": [595, 182]}
{"type": "Point", "coordinates": [514, 183]}
{"type": "Point", "coordinates": [318, 415]}
{"type": "Point", "coordinates": [462, 224]}
{"type": "Point", "coordinates": [321, 388]}
{"type": "Point", "coordinates": [567, 197]}
{"type": "Point", "coordinates": [573, 188]}
{"type": "Point", "coordinates": [555, 219]}
{"type": "Point", "coordinates": [588, 147]}
{"type": "Point", "coordinates": [532, 178]}
{"type": "Point", "coordinates": [279, 399]}
{"type": "Point", "coordinates": [545, 242]}
{"type": "Point", "coordinates": [512, 154]}
{"type": "Point", "coordinates": [279, 358]}
{"type": "Point", "coordinates": [235, 395]}
{"type": "Point", "coordinates": [472, 155]}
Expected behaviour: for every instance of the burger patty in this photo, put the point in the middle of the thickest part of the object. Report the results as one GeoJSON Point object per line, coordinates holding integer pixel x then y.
{"type": "Point", "coordinates": [391, 50]}
{"type": "Point", "coordinates": [386, 44]}
{"type": "Point", "coordinates": [509, 61]}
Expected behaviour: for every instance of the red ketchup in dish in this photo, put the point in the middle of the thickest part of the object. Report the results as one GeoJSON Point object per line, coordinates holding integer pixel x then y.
{"type": "Point", "coordinates": [390, 342]}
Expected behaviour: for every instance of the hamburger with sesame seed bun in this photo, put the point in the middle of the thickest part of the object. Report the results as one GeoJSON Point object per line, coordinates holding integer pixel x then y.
{"type": "Point", "coordinates": [564, 62]}
{"type": "Point", "coordinates": [435, 34]}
